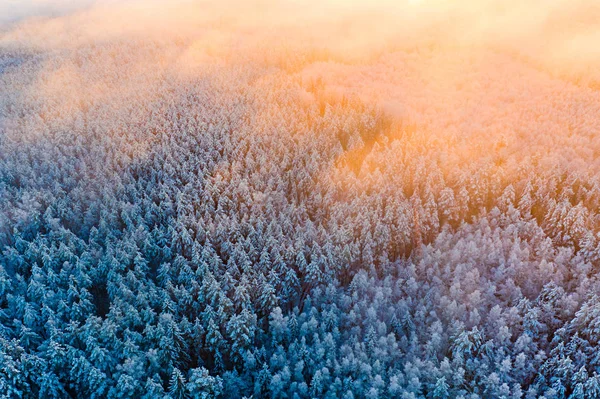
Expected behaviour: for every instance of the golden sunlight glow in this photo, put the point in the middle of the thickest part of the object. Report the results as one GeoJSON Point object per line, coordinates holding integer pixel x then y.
{"type": "Point", "coordinates": [454, 68]}
{"type": "Point", "coordinates": [300, 198]}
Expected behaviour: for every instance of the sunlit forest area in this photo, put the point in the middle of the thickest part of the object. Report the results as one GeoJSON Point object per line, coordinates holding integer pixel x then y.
{"type": "Point", "coordinates": [300, 199]}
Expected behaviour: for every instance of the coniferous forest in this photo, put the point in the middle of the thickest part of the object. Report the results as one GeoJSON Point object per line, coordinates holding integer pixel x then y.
{"type": "Point", "coordinates": [279, 199]}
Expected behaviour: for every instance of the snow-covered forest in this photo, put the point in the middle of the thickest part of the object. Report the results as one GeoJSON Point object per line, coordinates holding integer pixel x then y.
{"type": "Point", "coordinates": [283, 199]}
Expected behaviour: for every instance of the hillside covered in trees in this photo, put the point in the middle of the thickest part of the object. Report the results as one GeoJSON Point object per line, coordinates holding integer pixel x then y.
{"type": "Point", "coordinates": [281, 200]}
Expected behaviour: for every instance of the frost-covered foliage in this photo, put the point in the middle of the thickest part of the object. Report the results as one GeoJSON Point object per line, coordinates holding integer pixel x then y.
{"type": "Point", "coordinates": [215, 210]}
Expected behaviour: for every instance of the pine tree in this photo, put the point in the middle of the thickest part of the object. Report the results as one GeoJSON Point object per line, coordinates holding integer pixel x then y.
{"type": "Point", "coordinates": [202, 385]}
{"type": "Point", "coordinates": [177, 385]}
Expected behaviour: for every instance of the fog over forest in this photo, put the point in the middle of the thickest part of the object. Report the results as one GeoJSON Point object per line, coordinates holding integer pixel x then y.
{"type": "Point", "coordinates": [300, 199]}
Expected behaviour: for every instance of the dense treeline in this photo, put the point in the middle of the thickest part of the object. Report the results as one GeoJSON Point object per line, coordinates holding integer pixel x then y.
{"type": "Point", "coordinates": [237, 229]}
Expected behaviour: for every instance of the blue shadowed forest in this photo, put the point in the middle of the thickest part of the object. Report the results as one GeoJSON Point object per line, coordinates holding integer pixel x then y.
{"type": "Point", "coordinates": [283, 200]}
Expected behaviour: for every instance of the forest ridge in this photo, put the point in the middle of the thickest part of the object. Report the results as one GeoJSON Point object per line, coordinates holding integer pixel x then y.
{"type": "Point", "coordinates": [300, 199]}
